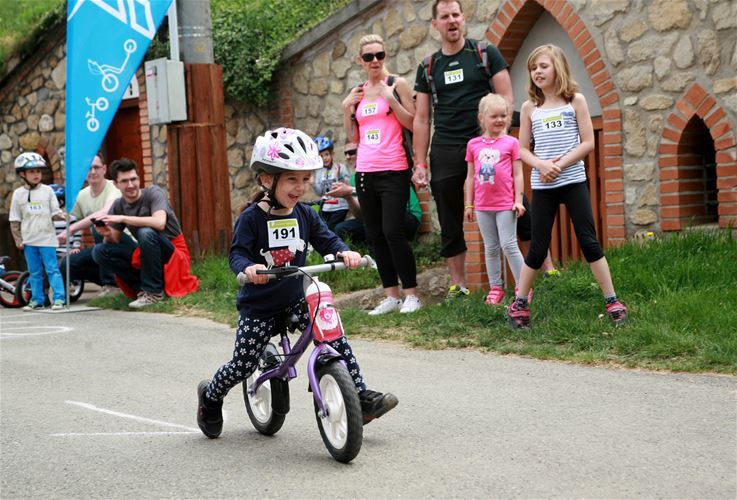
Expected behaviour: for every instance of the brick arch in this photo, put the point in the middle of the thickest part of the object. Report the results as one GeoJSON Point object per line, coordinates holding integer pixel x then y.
{"type": "Point", "coordinates": [46, 149]}
{"type": "Point", "coordinates": [508, 31]}
{"type": "Point", "coordinates": [674, 154]}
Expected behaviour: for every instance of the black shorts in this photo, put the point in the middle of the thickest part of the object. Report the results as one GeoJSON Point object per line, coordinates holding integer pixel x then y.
{"type": "Point", "coordinates": [524, 223]}
{"type": "Point", "coordinates": [448, 175]}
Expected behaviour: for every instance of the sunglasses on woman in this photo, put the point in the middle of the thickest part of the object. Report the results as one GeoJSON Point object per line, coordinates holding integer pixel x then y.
{"type": "Point", "coordinates": [368, 57]}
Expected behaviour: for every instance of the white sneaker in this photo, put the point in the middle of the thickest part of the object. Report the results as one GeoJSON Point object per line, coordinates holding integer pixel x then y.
{"type": "Point", "coordinates": [106, 290]}
{"type": "Point", "coordinates": [389, 304]}
{"type": "Point", "coordinates": [411, 304]}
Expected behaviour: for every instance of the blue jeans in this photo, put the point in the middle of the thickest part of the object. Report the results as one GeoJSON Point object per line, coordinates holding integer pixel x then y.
{"type": "Point", "coordinates": [156, 250]}
{"type": "Point", "coordinates": [39, 259]}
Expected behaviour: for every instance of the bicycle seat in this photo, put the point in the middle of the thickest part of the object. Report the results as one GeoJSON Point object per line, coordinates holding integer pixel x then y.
{"type": "Point", "coordinates": [4, 259]}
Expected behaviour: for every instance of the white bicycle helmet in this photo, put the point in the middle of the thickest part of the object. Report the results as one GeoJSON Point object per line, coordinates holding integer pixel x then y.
{"type": "Point", "coordinates": [28, 161]}
{"type": "Point", "coordinates": [285, 149]}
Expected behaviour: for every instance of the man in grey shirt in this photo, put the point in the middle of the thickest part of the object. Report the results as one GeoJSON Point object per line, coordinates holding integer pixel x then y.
{"type": "Point", "coordinates": [146, 213]}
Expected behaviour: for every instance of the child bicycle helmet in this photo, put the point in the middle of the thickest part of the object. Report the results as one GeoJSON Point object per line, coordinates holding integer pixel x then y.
{"type": "Point", "coordinates": [28, 161]}
{"type": "Point", "coordinates": [285, 149]}
{"type": "Point", "coordinates": [323, 143]}
{"type": "Point", "coordinates": [59, 192]}
{"type": "Point", "coordinates": [282, 150]}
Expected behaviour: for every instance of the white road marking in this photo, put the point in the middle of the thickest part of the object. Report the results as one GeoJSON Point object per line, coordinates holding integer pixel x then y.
{"type": "Point", "coordinates": [78, 434]}
{"type": "Point", "coordinates": [131, 417]}
{"type": "Point", "coordinates": [19, 331]}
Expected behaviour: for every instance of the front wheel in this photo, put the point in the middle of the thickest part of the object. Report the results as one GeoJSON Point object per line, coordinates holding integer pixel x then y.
{"type": "Point", "coordinates": [7, 298]}
{"type": "Point", "coordinates": [76, 289]}
{"type": "Point", "coordinates": [342, 428]}
{"type": "Point", "coordinates": [272, 394]}
{"type": "Point", "coordinates": [23, 288]}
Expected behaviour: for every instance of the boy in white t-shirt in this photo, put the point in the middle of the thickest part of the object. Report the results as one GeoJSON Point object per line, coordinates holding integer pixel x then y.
{"type": "Point", "coordinates": [33, 209]}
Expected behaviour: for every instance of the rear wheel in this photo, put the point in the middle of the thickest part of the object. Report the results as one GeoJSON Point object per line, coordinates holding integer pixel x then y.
{"type": "Point", "coordinates": [342, 428]}
{"type": "Point", "coordinates": [8, 298]}
{"type": "Point", "coordinates": [271, 394]}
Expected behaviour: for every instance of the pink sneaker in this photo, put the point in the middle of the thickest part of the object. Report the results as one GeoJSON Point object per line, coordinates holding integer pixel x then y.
{"type": "Point", "coordinates": [617, 312]}
{"type": "Point", "coordinates": [529, 295]}
{"type": "Point", "coordinates": [518, 317]}
{"type": "Point", "coordinates": [495, 296]}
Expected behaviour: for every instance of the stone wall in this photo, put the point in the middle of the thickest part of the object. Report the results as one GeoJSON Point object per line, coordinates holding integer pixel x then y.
{"type": "Point", "coordinates": [33, 119]}
{"type": "Point", "coordinates": [642, 56]}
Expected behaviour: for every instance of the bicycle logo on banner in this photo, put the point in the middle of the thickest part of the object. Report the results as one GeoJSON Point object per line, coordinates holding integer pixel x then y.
{"type": "Point", "coordinates": [136, 15]}
{"type": "Point", "coordinates": [109, 83]}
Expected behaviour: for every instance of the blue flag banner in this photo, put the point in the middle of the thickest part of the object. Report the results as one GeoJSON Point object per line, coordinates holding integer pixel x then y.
{"type": "Point", "coordinates": [106, 41]}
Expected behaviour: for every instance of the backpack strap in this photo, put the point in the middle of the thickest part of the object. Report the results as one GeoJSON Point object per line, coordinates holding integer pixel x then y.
{"type": "Point", "coordinates": [390, 81]}
{"type": "Point", "coordinates": [483, 61]}
{"type": "Point", "coordinates": [427, 70]}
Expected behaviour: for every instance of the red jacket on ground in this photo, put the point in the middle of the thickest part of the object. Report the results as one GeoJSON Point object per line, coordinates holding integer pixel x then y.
{"type": "Point", "coordinates": [178, 281]}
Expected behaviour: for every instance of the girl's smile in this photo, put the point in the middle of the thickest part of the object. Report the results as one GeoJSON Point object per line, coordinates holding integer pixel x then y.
{"type": "Point", "coordinates": [290, 188]}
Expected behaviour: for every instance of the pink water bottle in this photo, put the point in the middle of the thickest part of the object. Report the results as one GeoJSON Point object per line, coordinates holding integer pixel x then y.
{"type": "Point", "coordinates": [327, 325]}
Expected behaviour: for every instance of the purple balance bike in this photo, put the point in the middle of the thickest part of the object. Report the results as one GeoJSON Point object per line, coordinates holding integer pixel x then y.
{"type": "Point", "coordinates": [337, 407]}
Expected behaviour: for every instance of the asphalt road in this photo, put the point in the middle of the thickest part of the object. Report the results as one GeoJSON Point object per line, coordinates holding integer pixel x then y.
{"type": "Point", "coordinates": [102, 404]}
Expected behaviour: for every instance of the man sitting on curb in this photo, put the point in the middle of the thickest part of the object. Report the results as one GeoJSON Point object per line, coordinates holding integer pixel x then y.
{"type": "Point", "coordinates": [92, 203]}
{"type": "Point", "coordinates": [160, 263]}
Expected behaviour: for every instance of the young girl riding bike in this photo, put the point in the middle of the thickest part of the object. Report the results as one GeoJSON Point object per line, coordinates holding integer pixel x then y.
{"type": "Point", "coordinates": [557, 118]}
{"type": "Point", "coordinates": [493, 189]}
{"type": "Point", "coordinates": [275, 231]}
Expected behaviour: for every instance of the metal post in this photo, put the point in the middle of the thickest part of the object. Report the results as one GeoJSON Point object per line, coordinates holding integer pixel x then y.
{"type": "Point", "coordinates": [173, 32]}
{"type": "Point", "coordinates": [195, 31]}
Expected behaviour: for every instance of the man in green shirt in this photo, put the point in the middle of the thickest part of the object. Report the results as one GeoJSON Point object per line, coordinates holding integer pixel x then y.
{"type": "Point", "coordinates": [459, 82]}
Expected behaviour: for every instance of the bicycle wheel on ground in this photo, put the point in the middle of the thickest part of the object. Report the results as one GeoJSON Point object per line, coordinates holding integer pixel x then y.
{"type": "Point", "coordinates": [76, 289]}
{"type": "Point", "coordinates": [267, 408]}
{"type": "Point", "coordinates": [342, 428]}
{"type": "Point", "coordinates": [23, 288]}
{"type": "Point", "coordinates": [8, 298]}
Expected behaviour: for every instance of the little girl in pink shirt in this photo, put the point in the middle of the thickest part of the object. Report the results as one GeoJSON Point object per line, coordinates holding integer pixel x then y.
{"type": "Point", "coordinates": [493, 191]}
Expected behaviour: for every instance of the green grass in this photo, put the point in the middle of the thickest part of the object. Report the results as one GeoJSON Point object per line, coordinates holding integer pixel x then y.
{"type": "Point", "coordinates": [681, 292]}
{"type": "Point", "coordinates": [20, 20]}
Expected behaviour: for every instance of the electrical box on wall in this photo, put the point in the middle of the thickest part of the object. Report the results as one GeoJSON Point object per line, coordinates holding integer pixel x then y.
{"type": "Point", "coordinates": [167, 98]}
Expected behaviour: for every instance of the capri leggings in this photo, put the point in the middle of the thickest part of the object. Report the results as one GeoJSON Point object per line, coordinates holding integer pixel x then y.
{"type": "Point", "coordinates": [545, 204]}
{"type": "Point", "coordinates": [251, 338]}
{"type": "Point", "coordinates": [383, 198]}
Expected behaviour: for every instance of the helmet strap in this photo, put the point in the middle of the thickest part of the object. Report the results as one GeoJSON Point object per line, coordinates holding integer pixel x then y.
{"type": "Point", "coordinates": [271, 194]}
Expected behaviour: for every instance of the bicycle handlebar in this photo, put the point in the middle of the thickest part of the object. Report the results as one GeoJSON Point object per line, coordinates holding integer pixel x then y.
{"type": "Point", "coordinates": [285, 272]}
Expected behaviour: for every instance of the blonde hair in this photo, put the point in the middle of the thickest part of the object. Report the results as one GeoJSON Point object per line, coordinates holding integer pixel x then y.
{"type": "Point", "coordinates": [491, 101]}
{"type": "Point", "coordinates": [565, 86]}
{"type": "Point", "coordinates": [369, 39]}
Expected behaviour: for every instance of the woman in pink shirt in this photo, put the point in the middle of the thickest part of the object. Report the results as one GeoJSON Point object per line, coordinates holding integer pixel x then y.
{"type": "Point", "coordinates": [374, 115]}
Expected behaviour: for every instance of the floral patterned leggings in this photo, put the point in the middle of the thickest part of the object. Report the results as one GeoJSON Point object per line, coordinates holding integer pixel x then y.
{"type": "Point", "coordinates": [251, 338]}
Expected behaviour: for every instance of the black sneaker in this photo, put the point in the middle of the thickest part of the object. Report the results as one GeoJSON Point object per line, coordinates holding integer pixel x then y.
{"type": "Point", "coordinates": [375, 404]}
{"type": "Point", "coordinates": [209, 414]}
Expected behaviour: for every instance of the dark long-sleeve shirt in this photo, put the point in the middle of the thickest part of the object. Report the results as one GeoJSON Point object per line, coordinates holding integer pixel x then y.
{"type": "Point", "coordinates": [251, 246]}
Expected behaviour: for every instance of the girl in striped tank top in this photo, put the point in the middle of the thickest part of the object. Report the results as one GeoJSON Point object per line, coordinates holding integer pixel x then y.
{"type": "Point", "coordinates": [556, 117]}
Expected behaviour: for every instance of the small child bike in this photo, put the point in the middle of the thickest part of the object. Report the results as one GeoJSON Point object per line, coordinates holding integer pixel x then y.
{"type": "Point", "coordinates": [8, 285]}
{"type": "Point", "coordinates": [337, 407]}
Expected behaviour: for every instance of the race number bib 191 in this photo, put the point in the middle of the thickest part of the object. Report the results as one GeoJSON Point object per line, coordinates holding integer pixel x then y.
{"type": "Point", "coordinates": [35, 207]}
{"type": "Point", "coordinates": [370, 109]}
{"type": "Point", "coordinates": [454, 76]}
{"type": "Point", "coordinates": [553, 122]}
{"type": "Point", "coordinates": [373, 136]}
{"type": "Point", "coordinates": [283, 233]}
